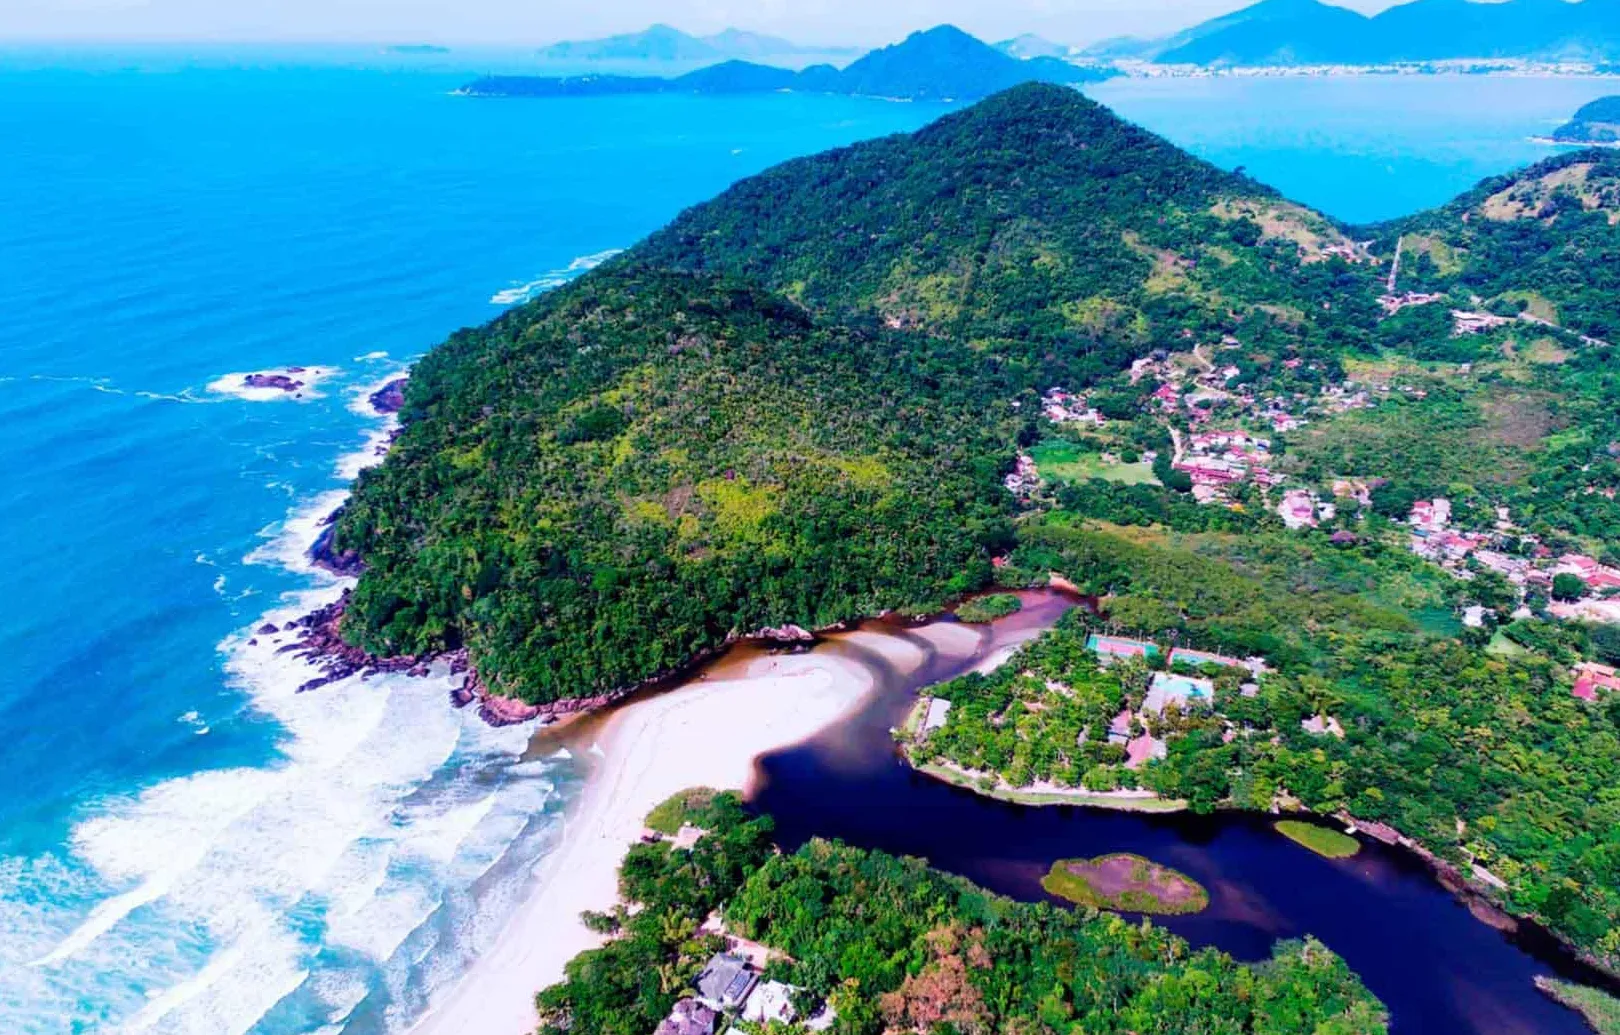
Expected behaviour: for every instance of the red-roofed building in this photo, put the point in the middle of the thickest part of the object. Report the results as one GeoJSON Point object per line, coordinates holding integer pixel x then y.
{"type": "Point", "coordinates": [1592, 677]}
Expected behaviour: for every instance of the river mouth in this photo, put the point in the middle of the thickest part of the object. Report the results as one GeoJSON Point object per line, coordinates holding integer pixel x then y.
{"type": "Point", "coordinates": [1438, 967]}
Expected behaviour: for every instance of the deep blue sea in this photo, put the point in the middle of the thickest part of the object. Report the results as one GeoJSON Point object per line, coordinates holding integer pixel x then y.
{"type": "Point", "coordinates": [186, 844]}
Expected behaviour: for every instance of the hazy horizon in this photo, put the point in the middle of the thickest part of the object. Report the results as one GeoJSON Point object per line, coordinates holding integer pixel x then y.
{"type": "Point", "coordinates": [512, 23]}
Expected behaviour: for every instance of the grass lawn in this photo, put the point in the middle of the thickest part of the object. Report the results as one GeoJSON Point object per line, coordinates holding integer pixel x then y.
{"type": "Point", "coordinates": [1502, 647]}
{"type": "Point", "coordinates": [1067, 462]}
{"type": "Point", "coordinates": [1321, 840]}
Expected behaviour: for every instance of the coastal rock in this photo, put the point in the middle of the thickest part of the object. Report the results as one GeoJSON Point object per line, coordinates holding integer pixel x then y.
{"type": "Point", "coordinates": [322, 554]}
{"type": "Point", "coordinates": [267, 628]}
{"type": "Point", "coordinates": [785, 634]}
{"type": "Point", "coordinates": [283, 382]}
{"type": "Point", "coordinates": [390, 397]}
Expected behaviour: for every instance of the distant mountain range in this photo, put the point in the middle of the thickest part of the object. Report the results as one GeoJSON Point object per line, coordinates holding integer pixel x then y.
{"type": "Point", "coordinates": [1306, 32]}
{"type": "Point", "coordinates": [1031, 46]}
{"type": "Point", "coordinates": [667, 44]}
{"type": "Point", "coordinates": [1596, 123]}
{"type": "Point", "coordinates": [941, 64]}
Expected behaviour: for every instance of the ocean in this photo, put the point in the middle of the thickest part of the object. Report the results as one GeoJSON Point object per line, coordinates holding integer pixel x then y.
{"type": "Point", "coordinates": [187, 844]}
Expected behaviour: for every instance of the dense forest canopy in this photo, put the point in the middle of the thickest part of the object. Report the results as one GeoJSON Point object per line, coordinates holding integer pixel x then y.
{"type": "Point", "coordinates": [1039, 228]}
{"type": "Point", "coordinates": [895, 946]}
{"type": "Point", "coordinates": [626, 472]}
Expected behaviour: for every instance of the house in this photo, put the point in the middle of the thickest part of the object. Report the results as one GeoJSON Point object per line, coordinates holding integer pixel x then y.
{"type": "Point", "coordinates": [1592, 677]}
{"type": "Point", "coordinates": [1430, 515]}
{"type": "Point", "coordinates": [1143, 750]}
{"type": "Point", "coordinates": [770, 1001]}
{"type": "Point", "coordinates": [689, 1017]}
{"type": "Point", "coordinates": [1119, 647]}
{"type": "Point", "coordinates": [1474, 617]}
{"type": "Point", "coordinates": [725, 982]}
{"type": "Point", "coordinates": [1595, 574]}
{"type": "Point", "coordinates": [1321, 726]}
{"type": "Point", "coordinates": [1463, 322]}
{"type": "Point", "coordinates": [939, 711]}
{"type": "Point", "coordinates": [1167, 689]}
{"type": "Point", "coordinates": [1298, 509]}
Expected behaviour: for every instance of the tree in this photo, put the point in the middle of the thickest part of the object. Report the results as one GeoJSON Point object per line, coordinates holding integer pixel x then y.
{"type": "Point", "coordinates": [1567, 587]}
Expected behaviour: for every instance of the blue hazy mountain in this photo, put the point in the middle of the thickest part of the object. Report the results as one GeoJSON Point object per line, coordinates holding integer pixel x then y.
{"type": "Point", "coordinates": [1292, 32]}
{"type": "Point", "coordinates": [663, 43]}
{"type": "Point", "coordinates": [1030, 45]}
{"type": "Point", "coordinates": [941, 64]}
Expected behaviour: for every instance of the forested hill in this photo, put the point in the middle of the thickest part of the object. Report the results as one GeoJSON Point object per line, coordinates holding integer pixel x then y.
{"type": "Point", "coordinates": [1595, 123]}
{"type": "Point", "coordinates": [601, 484]}
{"type": "Point", "coordinates": [1039, 227]}
{"type": "Point", "coordinates": [1544, 240]}
{"type": "Point", "coordinates": [797, 403]}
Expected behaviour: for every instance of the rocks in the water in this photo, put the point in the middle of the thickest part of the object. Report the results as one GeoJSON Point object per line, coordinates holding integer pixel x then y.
{"type": "Point", "coordinates": [283, 382]}
{"type": "Point", "coordinates": [785, 634]}
{"type": "Point", "coordinates": [390, 397]}
{"type": "Point", "coordinates": [267, 628]}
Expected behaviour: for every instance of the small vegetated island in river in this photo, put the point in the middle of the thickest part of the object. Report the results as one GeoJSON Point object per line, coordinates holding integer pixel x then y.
{"type": "Point", "coordinates": [1324, 842]}
{"type": "Point", "coordinates": [1124, 882]}
{"type": "Point", "coordinates": [721, 928]}
{"type": "Point", "coordinates": [981, 610]}
{"type": "Point", "coordinates": [1349, 498]}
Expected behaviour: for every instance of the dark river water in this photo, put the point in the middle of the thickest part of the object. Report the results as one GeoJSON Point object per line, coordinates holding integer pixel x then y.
{"type": "Point", "coordinates": [1437, 967]}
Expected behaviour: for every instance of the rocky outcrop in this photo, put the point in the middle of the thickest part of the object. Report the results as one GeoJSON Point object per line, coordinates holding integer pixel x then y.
{"type": "Point", "coordinates": [321, 643]}
{"type": "Point", "coordinates": [390, 397]}
{"type": "Point", "coordinates": [324, 555]}
{"type": "Point", "coordinates": [284, 382]}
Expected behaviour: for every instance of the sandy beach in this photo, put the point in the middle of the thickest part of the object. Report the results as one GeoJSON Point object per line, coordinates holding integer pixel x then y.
{"type": "Point", "coordinates": [707, 733]}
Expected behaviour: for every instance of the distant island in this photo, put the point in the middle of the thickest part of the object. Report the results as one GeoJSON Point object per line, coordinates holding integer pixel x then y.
{"type": "Point", "coordinates": [1308, 32]}
{"type": "Point", "coordinates": [1595, 125]}
{"type": "Point", "coordinates": [941, 64]}
{"type": "Point", "coordinates": [668, 44]}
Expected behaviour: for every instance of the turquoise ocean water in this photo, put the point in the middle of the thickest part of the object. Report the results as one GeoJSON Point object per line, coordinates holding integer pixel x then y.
{"type": "Point", "coordinates": [186, 844]}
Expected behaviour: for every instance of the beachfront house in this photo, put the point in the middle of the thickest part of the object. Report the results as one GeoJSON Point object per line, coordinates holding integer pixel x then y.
{"type": "Point", "coordinates": [689, 1017]}
{"type": "Point", "coordinates": [938, 713]}
{"type": "Point", "coordinates": [1183, 691]}
{"type": "Point", "coordinates": [726, 982]}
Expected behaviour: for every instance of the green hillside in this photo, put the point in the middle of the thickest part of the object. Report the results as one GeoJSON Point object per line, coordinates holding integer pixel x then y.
{"type": "Point", "coordinates": [1037, 227]}
{"type": "Point", "coordinates": [603, 483]}
{"type": "Point", "coordinates": [1551, 231]}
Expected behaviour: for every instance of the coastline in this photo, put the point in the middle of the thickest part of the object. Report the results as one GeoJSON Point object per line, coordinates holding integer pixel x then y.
{"type": "Point", "coordinates": [708, 732]}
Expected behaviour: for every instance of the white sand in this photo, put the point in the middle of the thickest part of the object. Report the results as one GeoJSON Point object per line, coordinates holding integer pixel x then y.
{"type": "Point", "coordinates": [704, 734]}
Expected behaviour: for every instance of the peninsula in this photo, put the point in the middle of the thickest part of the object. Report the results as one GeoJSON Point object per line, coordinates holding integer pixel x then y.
{"type": "Point", "coordinates": [1595, 125]}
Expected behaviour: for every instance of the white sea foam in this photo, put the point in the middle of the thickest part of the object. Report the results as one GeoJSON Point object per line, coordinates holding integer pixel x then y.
{"type": "Point", "coordinates": [233, 384]}
{"type": "Point", "coordinates": [380, 802]}
{"type": "Point", "coordinates": [370, 356]}
{"type": "Point", "coordinates": [517, 294]}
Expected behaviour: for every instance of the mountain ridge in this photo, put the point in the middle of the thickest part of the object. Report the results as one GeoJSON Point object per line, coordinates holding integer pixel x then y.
{"type": "Point", "coordinates": [660, 42]}
{"type": "Point", "coordinates": [1296, 32]}
{"type": "Point", "coordinates": [939, 64]}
